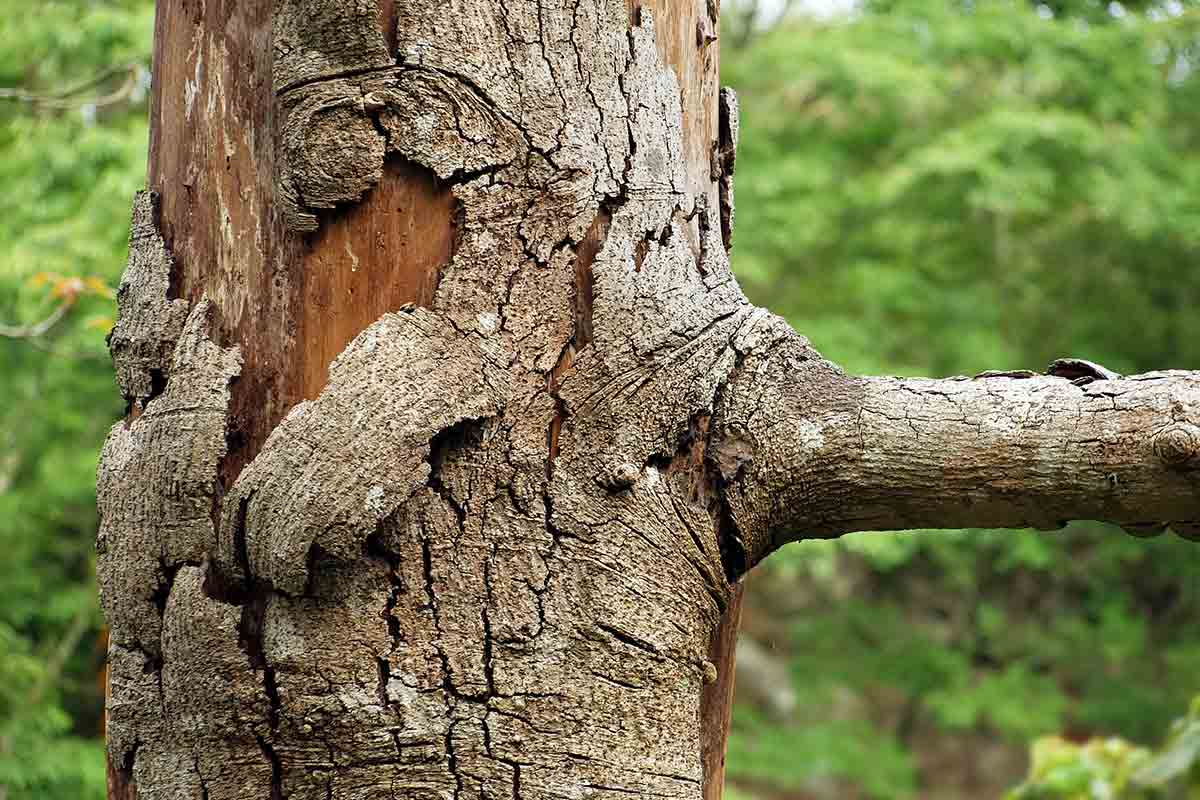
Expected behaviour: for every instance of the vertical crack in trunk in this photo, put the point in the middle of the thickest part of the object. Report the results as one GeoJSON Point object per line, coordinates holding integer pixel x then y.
{"type": "Point", "coordinates": [276, 768]}
{"type": "Point", "coordinates": [250, 638]}
{"type": "Point", "coordinates": [582, 301]}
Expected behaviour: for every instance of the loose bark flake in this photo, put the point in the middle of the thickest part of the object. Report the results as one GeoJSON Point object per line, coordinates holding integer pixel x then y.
{"type": "Point", "coordinates": [156, 485]}
{"type": "Point", "coordinates": [184, 730]}
{"type": "Point", "coordinates": [316, 39]}
{"type": "Point", "coordinates": [170, 730]}
{"type": "Point", "coordinates": [338, 465]}
{"type": "Point", "coordinates": [148, 321]}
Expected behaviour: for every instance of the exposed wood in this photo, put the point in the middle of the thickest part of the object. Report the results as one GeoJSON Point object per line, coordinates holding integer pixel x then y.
{"type": "Point", "coordinates": [211, 158]}
{"type": "Point", "coordinates": [681, 30]}
{"type": "Point", "coordinates": [290, 303]}
{"type": "Point", "coordinates": [716, 706]}
{"type": "Point", "coordinates": [120, 785]}
{"type": "Point", "coordinates": [320, 486]}
{"type": "Point", "coordinates": [376, 256]}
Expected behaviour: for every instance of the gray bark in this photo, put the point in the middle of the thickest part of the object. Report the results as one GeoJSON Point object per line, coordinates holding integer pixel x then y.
{"type": "Point", "coordinates": [491, 554]}
{"type": "Point", "coordinates": [808, 452]}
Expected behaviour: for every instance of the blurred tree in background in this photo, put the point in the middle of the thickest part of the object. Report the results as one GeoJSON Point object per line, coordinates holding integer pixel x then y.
{"type": "Point", "coordinates": [71, 155]}
{"type": "Point", "coordinates": [923, 187]}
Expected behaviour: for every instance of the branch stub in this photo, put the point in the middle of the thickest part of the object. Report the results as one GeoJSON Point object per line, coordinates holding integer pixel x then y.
{"type": "Point", "coordinates": [1177, 443]}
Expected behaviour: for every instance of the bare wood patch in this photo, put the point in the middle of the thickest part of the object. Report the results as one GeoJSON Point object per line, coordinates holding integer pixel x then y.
{"type": "Point", "coordinates": [376, 256]}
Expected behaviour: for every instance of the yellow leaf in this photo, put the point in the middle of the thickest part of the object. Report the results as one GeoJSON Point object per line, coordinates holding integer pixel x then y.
{"type": "Point", "coordinates": [98, 287]}
{"type": "Point", "coordinates": [67, 288]}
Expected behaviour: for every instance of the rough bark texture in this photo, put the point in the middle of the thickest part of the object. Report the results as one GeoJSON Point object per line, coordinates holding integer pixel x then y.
{"type": "Point", "coordinates": [467, 548]}
{"type": "Point", "coordinates": [808, 452]}
{"type": "Point", "coordinates": [450, 430]}
{"type": "Point", "coordinates": [143, 340]}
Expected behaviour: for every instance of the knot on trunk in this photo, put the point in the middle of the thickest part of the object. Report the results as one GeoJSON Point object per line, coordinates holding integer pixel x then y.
{"type": "Point", "coordinates": [1177, 444]}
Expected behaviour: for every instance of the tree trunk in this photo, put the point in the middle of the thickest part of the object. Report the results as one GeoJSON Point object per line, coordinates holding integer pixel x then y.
{"type": "Point", "coordinates": [450, 431]}
{"type": "Point", "coordinates": [410, 499]}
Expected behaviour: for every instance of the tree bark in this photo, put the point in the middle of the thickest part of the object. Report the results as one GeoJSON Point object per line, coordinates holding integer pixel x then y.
{"type": "Point", "coordinates": [450, 431]}
{"type": "Point", "coordinates": [808, 452]}
{"type": "Point", "coordinates": [422, 320]}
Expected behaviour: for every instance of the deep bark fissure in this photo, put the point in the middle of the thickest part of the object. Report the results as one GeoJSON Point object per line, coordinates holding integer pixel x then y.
{"type": "Point", "coordinates": [374, 547]}
{"type": "Point", "coordinates": [250, 637]}
{"type": "Point", "coordinates": [276, 768]}
{"type": "Point", "coordinates": [203, 783]}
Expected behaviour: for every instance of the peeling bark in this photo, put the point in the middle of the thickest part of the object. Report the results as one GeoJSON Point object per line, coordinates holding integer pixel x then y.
{"type": "Point", "coordinates": [150, 321]}
{"type": "Point", "coordinates": [157, 486]}
{"type": "Point", "coordinates": [320, 483]}
{"type": "Point", "coordinates": [478, 532]}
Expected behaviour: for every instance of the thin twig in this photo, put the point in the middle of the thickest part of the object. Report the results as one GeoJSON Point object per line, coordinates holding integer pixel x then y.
{"type": "Point", "coordinates": [38, 328]}
{"type": "Point", "coordinates": [66, 97]}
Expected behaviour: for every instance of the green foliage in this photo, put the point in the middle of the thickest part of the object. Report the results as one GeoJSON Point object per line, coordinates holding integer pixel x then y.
{"type": "Point", "coordinates": [940, 188]}
{"type": "Point", "coordinates": [41, 758]}
{"type": "Point", "coordinates": [1179, 759]}
{"type": "Point", "coordinates": [1100, 768]}
{"type": "Point", "coordinates": [809, 755]}
{"type": "Point", "coordinates": [69, 166]}
{"type": "Point", "coordinates": [1007, 178]}
{"type": "Point", "coordinates": [1001, 636]}
{"type": "Point", "coordinates": [1113, 768]}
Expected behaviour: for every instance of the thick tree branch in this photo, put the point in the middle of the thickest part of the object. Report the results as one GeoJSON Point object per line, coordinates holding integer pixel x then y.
{"type": "Point", "coordinates": [806, 451]}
